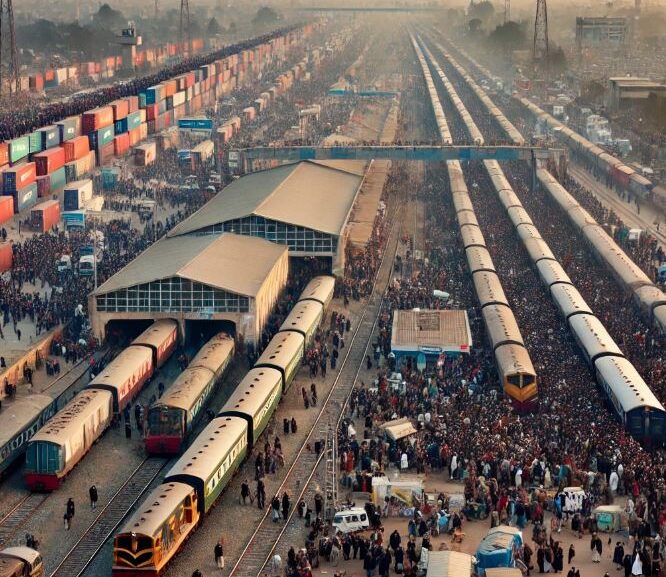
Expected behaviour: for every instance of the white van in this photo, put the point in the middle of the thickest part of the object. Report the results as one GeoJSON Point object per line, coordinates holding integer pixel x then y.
{"type": "Point", "coordinates": [351, 520]}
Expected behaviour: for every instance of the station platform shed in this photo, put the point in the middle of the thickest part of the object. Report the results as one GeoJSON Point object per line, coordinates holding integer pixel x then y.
{"type": "Point", "coordinates": [430, 333]}
{"type": "Point", "coordinates": [304, 205]}
{"type": "Point", "coordinates": [212, 283]}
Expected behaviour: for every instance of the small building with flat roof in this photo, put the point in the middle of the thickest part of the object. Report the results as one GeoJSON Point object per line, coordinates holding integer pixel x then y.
{"type": "Point", "coordinates": [431, 332]}
{"type": "Point", "coordinates": [207, 283]}
{"type": "Point", "coordinates": [305, 206]}
{"type": "Point", "coordinates": [628, 90]}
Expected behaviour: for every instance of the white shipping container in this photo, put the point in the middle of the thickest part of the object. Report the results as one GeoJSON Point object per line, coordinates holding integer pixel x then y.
{"type": "Point", "coordinates": [178, 99]}
{"type": "Point", "coordinates": [61, 75]}
{"type": "Point", "coordinates": [143, 130]}
{"type": "Point", "coordinates": [72, 72]}
{"type": "Point", "coordinates": [142, 114]}
{"type": "Point", "coordinates": [77, 193]}
{"type": "Point", "coordinates": [145, 153]}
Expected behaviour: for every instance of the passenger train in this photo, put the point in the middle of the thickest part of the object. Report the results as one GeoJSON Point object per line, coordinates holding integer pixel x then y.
{"type": "Point", "coordinates": [650, 299]}
{"type": "Point", "coordinates": [58, 446]}
{"type": "Point", "coordinates": [629, 396]}
{"type": "Point", "coordinates": [514, 367]}
{"type": "Point", "coordinates": [172, 512]}
{"type": "Point", "coordinates": [631, 399]}
{"type": "Point", "coordinates": [172, 418]}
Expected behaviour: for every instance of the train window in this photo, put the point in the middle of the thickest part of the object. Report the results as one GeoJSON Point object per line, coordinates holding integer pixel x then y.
{"type": "Point", "coordinates": [635, 423]}
{"type": "Point", "coordinates": [514, 380]}
{"type": "Point", "coordinates": [527, 380]}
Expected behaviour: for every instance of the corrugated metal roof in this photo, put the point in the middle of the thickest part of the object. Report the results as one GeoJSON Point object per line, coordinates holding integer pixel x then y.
{"type": "Point", "coordinates": [235, 263]}
{"type": "Point", "coordinates": [307, 194]}
{"type": "Point", "coordinates": [432, 329]}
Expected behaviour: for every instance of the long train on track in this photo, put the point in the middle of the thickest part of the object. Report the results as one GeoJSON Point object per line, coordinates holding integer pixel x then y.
{"type": "Point", "coordinates": [59, 446]}
{"type": "Point", "coordinates": [514, 366]}
{"type": "Point", "coordinates": [628, 394]}
{"type": "Point", "coordinates": [173, 511]}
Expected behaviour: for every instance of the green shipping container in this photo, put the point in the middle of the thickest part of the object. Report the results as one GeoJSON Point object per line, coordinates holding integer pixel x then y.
{"type": "Point", "coordinates": [19, 148]}
{"type": "Point", "coordinates": [35, 142]}
{"type": "Point", "coordinates": [58, 179]}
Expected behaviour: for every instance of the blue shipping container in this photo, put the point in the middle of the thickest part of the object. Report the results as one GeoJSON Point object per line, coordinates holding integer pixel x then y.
{"type": "Point", "coordinates": [121, 126]}
{"type": "Point", "coordinates": [35, 142]}
{"type": "Point", "coordinates": [25, 198]}
{"type": "Point", "coordinates": [67, 129]}
{"type": "Point", "coordinates": [195, 123]}
{"type": "Point", "coordinates": [153, 94]}
{"type": "Point", "coordinates": [101, 137]}
{"type": "Point", "coordinates": [70, 171]}
{"type": "Point", "coordinates": [50, 136]}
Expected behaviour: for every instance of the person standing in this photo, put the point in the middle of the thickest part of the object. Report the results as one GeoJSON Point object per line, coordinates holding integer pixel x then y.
{"type": "Point", "coordinates": [275, 506]}
{"type": "Point", "coordinates": [71, 509]}
{"type": "Point", "coordinates": [197, 573]}
{"type": "Point", "coordinates": [245, 491]}
{"type": "Point", "coordinates": [93, 497]}
{"type": "Point", "coordinates": [618, 555]}
{"type": "Point", "coordinates": [596, 546]}
{"type": "Point", "coordinates": [219, 555]}
{"type": "Point", "coordinates": [261, 493]}
{"type": "Point", "coordinates": [285, 506]}
{"type": "Point", "coordinates": [571, 554]}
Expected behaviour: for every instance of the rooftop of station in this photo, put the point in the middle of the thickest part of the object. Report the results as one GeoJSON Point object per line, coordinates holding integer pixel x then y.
{"type": "Point", "coordinates": [238, 264]}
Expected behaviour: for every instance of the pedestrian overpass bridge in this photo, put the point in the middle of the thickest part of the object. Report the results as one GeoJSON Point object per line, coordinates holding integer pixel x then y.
{"type": "Point", "coordinates": [241, 161]}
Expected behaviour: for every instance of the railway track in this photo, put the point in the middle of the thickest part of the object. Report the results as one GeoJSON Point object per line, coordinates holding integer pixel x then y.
{"type": "Point", "coordinates": [297, 482]}
{"type": "Point", "coordinates": [12, 522]}
{"type": "Point", "coordinates": [86, 548]}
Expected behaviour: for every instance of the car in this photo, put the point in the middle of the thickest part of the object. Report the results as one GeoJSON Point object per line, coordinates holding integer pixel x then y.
{"type": "Point", "coordinates": [351, 520]}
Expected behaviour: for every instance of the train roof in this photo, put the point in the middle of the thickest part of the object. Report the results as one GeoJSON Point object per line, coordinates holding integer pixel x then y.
{"type": "Point", "coordinates": [68, 420]}
{"type": "Point", "coordinates": [462, 202]}
{"type": "Point", "coordinates": [120, 369]}
{"type": "Point", "coordinates": [593, 336]}
{"type": "Point", "coordinates": [251, 393]}
{"type": "Point", "coordinates": [569, 300]}
{"type": "Point", "coordinates": [631, 274]}
{"type": "Point", "coordinates": [478, 258]}
{"type": "Point", "coordinates": [501, 325]}
{"type": "Point", "coordinates": [472, 236]}
{"type": "Point", "coordinates": [538, 249]}
{"type": "Point", "coordinates": [303, 316]}
{"type": "Point", "coordinates": [320, 289]}
{"type": "Point", "coordinates": [508, 198]}
{"type": "Point", "coordinates": [527, 231]}
{"type": "Point", "coordinates": [185, 390]}
{"type": "Point", "coordinates": [157, 333]}
{"type": "Point", "coordinates": [560, 194]}
{"type": "Point", "coordinates": [512, 359]}
{"type": "Point", "coordinates": [214, 354]}
{"type": "Point", "coordinates": [156, 509]}
{"type": "Point", "coordinates": [581, 217]}
{"type": "Point", "coordinates": [626, 383]}
{"type": "Point", "coordinates": [489, 288]}
{"type": "Point", "coordinates": [650, 296]}
{"type": "Point", "coordinates": [281, 350]}
{"type": "Point", "coordinates": [466, 217]}
{"type": "Point", "coordinates": [19, 413]}
{"type": "Point", "coordinates": [519, 215]}
{"type": "Point", "coordinates": [203, 457]}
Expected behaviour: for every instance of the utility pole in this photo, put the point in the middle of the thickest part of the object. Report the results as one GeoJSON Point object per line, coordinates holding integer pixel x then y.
{"type": "Point", "coordinates": [185, 15]}
{"type": "Point", "coordinates": [540, 50]}
{"type": "Point", "coordinates": [157, 9]}
{"type": "Point", "coordinates": [507, 11]}
{"type": "Point", "coordinates": [331, 485]}
{"type": "Point", "coordinates": [8, 45]}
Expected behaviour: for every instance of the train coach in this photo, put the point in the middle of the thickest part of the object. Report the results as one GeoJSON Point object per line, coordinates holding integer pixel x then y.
{"type": "Point", "coordinates": [154, 534]}
{"type": "Point", "coordinates": [21, 562]}
{"type": "Point", "coordinates": [61, 444]}
{"type": "Point", "coordinates": [21, 420]}
{"type": "Point", "coordinates": [172, 418]}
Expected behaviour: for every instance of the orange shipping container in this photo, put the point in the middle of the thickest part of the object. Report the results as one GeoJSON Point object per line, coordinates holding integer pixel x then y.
{"type": "Point", "coordinates": [121, 144]}
{"type": "Point", "coordinates": [6, 252]}
{"type": "Point", "coordinates": [134, 136]}
{"type": "Point", "coordinates": [4, 153]}
{"type": "Point", "coordinates": [97, 118]}
{"type": "Point", "coordinates": [6, 208]}
{"type": "Point", "coordinates": [120, 109]}
{"type": "Point", "coordinates": [76, 148]}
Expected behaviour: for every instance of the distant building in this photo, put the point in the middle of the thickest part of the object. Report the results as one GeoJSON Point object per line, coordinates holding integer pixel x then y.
{"type": "Point", "coordinates": [601, 31]}
{"type": "Point", "coordinates": [625, 91]}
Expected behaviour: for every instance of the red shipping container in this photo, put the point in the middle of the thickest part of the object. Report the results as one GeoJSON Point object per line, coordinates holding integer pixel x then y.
{"type": "Point", "coordinates": [6, 208]}
{"type": "Point", "coordinates": [4, 153]}
{"type": "Point", "coordinates": [6, 252]}
{"type": "Point", "coordinates": [120, 109]}
{"type": "Point", "coordinates": [43, 186]}
{"type": "Point", "coordinates": [170, 88]}
{"type": "Point", "coordinates": [97, 118]}
{"type": "Point", "coordinates": [25, 175]}
{"type": "Point", "coordinates": [50, 215]}
{"type": "Point", "coordinates": [121, 144]}
{"type": "Point", "coordinates": [76, 148]}
{"type": "Point", "coordinates": [50, 75]}
{"type": "Point", "coordinates": [152, 111]}
{"type": "Point", "coordinates": [49, 160]}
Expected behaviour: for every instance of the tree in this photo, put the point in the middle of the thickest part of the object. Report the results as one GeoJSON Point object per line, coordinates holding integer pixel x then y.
{"type": "Point", "coordinates": [109, 18]}
{"type": "Point", "coordinates": [507, 37]}
{"type": "Point", "coordinates": [214, 27]}
{"type": "Point", "coordinates": [265, 16]}
{"type": "Point", "coordinates": [474, 26]}
{"type": "Point", "coordinates": [484, 11]}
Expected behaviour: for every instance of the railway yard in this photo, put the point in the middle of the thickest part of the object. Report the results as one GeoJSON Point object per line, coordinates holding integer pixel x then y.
{"type": "Point", "coordinates": [236, 382]}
